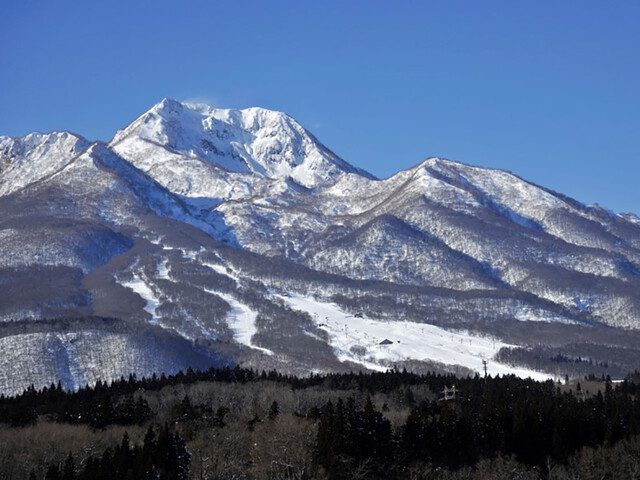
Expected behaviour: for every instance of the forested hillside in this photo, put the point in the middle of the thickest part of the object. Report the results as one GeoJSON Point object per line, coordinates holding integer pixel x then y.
{"type": "Point", "coordinates": [239, 423]}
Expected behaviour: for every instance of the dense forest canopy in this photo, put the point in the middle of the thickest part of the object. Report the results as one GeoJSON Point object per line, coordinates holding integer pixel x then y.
{"type": "Point", "coordinates": [241, 423]}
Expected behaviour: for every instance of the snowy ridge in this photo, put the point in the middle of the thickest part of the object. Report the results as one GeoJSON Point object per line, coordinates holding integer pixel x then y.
{"type": "Point", "coordinates": [80, 358]}
{"type": "Point", "coordinates": [27, 159]}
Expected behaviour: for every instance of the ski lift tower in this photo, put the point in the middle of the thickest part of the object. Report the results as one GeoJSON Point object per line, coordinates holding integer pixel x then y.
{"type": "Point", "coordinates": [449, 393]}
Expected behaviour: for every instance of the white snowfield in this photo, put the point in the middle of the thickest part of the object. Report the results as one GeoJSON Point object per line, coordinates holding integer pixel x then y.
{"type": "Point", "coordinates": [409, 341]}
{"type": "Point", "coordinates": [222, 270]}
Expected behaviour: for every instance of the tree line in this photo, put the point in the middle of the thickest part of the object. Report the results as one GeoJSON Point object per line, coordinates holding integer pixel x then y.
{"type": "Point", "coordinates": [241, 423]}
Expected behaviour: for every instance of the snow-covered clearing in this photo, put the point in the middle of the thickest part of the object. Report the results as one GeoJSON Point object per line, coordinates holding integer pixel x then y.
{"type": "Point", "coordinates": [409, 341]}
{"type": "Point", "coordinates": [222, 270]}
{"type": "Point", "coordinates": [242, 320]}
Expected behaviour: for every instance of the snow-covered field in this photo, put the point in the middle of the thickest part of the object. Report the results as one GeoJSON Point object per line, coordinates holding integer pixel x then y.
{"type": "Point", "coordinates": [163, 270]}
{"type": "Point", "coordinates": [409, 341]}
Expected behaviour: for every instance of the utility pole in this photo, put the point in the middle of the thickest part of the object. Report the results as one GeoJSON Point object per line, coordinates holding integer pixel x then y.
{"type": "Point", "coordinates": [486, 384]}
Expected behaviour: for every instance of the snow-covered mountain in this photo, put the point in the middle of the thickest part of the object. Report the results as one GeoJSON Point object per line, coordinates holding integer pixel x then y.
{"type": "Point", "coordinates": [26, 160]}
{"type": "Point", "coordinates": [199, 151]}
{"type": "Point", "coordinates": [205, 236]}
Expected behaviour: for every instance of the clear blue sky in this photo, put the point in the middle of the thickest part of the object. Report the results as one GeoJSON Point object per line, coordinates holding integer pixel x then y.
{"type": "Point", "coordinates": [549, 90]}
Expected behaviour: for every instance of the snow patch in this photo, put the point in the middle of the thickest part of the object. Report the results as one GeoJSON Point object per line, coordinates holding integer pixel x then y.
{"type": "Point", "coordinates": [138, 285]}
{"type": "Point", "coordinates": [223, 270]}
{"type": "Point", "coordinates": [163, 269]}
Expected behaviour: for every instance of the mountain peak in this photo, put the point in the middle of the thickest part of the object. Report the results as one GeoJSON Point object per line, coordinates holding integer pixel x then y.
{"type": "Point", "coordinates": [254, 140]}
{"type": "Point", "coordinates": [24, 160]}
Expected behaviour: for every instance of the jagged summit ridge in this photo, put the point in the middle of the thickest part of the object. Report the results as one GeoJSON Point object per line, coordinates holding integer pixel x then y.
{"type": "Point", "coordinates": [255, 141]}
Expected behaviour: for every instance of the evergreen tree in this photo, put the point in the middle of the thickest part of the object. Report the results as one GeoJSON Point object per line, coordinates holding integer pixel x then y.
{"type": "Point", "coordinates": [274, 411]}
{"type": "Point", "coordinates": [220, 414]}
{"type": "Point", "coordinates": [141, 412]}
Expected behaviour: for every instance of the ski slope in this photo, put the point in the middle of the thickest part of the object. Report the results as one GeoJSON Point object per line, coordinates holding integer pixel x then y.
{"type": "Point", "coordinates": [409, 341]}
{"type": "Point", "coordinates": [242, 321]}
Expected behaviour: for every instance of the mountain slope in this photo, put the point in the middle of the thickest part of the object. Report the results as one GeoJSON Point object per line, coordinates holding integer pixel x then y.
{"type": "Point", "coordinates": [234, 236]}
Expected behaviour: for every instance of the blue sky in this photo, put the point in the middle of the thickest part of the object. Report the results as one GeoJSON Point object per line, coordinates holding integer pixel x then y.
{"type": "Point", "coordinates": [549, 90]}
